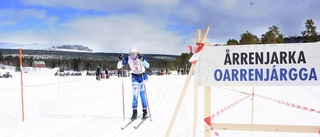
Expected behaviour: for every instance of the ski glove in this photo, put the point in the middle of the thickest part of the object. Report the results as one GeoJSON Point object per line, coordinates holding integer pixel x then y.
{"type": "Point", "coordinates": [141, 57]}
{"type": "Point", "coordinates": [121, 56]}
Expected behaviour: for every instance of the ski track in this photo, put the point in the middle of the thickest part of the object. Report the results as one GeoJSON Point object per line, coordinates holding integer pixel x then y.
{"type": "Point", "coordinates": [65, 124]}
{"type": "Point", "coordinates": [58, 126]}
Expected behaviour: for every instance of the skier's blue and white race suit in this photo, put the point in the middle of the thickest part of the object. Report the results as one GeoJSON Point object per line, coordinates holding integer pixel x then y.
{"type": "Point", "coordinates": [139, 78]}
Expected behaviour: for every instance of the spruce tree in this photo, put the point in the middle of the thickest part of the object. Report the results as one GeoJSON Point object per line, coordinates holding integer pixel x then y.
{"type": "Point", "coordinates": [310, 34]}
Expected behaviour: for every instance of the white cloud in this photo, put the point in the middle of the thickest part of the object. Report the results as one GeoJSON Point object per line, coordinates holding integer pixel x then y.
{"type": "Point", "coordinates": [51, 21]}
{"type": "Point", "coordinates": [106, 5]}
{"type": "Point", "coordinates": [118, 33]}
{"type": "Point", "coordinates": [6, 12]}
{"type": "Point", "coordinates": [230, 4]}
{"type": "Point", "coordinates": [11, 17]}
{"type": "Point", "coordinates": [37, 13]}
{"type": "Point", "coordinates": [108, 34]}
{"type": "Point", "coordinates": [159, 26]}
{"type": "Point", "coordinates": [18, 14]}
{"type": "Point", "coordinates": [7, 23]}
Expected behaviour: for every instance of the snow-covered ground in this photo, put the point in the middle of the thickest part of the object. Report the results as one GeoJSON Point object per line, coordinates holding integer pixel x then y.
{"type": "Point", "coordinates": [80, 106]}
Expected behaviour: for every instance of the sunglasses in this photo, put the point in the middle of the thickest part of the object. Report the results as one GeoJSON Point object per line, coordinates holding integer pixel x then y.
{"type": "Point", "coordinates": [132, 54]}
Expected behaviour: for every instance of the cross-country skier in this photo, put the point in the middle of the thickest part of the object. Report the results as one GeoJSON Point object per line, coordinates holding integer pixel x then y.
{"type": "Point", "coordinates": [138, 65]}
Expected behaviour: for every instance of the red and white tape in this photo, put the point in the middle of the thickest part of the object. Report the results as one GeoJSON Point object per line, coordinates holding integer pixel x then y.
{"type": "Point", "coordinates": [290, 104]}
{"type": "Point", "coordinates": [196, 54]}
{"type": "Point", "coordinates": [221, 111]}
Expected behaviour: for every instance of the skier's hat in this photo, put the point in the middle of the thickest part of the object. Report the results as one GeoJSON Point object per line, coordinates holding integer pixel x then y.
{"type": "Point", "coordinates": [133, 49]}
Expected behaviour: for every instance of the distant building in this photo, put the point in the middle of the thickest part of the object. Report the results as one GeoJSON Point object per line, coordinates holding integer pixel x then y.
{"type": "Point", "coordinates": [38, 64]}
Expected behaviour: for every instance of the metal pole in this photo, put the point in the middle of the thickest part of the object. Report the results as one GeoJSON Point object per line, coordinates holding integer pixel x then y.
{"type": "Point", "coordinates": [123, 110]}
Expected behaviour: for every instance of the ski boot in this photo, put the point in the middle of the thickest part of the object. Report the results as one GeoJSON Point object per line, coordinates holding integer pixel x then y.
{"type": "Point", "coordinates": [144, 114]}
{"type": "Point", "coordinates": [134, 115]}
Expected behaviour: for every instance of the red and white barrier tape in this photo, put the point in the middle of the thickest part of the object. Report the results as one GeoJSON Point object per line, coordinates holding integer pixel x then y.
{"type": "Point", "coordinates": [196, 54]}
{"type": "Point", "coordinates": [208, 119]}
{"type": "Point", "coordinates": [290, 104]}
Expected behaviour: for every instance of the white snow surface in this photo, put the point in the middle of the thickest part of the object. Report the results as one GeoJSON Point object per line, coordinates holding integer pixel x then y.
{"type": "Point", "coordinates": [81, 106]}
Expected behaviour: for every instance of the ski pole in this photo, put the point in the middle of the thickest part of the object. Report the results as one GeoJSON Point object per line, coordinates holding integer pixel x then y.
{"type": "Point", "coordinates": [145, 91]}
{"type": "Point", "coordinates": [123, 97]}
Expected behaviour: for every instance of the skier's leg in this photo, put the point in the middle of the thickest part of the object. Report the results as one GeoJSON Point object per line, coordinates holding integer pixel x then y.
{"type": "Point", "coordinates": [135, 87]}
{"type": "Point", "coordinates": [135, 91]}
{"type": "Point", "coordinates": [143, 101]}
{"type": "Point", "coordinates": [143, 96]}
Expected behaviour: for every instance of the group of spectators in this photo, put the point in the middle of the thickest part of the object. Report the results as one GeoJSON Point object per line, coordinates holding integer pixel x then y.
{"type": "Point", "coordinates": [100, 74]}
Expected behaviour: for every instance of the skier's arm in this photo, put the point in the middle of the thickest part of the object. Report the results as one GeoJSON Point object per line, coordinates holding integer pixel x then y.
{"type": "Point", "coordinates": [119, 65]}
{"type": "Point", "coordinates": [145, 64]}
{"type": "Point", "coordinates": [123, 61]}
{"type": "Point", "coordinates": [144, 61]}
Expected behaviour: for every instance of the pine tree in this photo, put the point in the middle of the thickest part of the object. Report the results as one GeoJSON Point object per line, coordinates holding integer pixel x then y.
{"type": "Point", "coordinates": [232, 42]}
{"type": "Point", "coordinates": [272, 36]}
{"type": "Point", "coordinates": [248, 38]}
{"type": "Point", "coordinates": [310, 34]}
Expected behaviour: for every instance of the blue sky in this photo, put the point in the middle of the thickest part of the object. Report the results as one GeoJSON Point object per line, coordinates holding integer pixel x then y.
{"type": "Point", "coordinates": [153, 26]}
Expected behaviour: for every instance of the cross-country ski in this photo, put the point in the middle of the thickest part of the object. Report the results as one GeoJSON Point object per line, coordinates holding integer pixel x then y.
{"type": "Point", "coordinates": [130, 122]}
{"type": "Point", "coordinates": [141, 122]}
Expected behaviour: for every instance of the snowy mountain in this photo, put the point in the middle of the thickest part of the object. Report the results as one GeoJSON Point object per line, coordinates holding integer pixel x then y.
{"type": "Point", "coordinates": [71, 47]}
{"type": "Point", "coordinates": [37, 46]}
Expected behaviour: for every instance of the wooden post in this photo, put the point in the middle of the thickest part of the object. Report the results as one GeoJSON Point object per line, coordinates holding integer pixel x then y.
{"type": "Point", "coordinates": [195, 110]}
{"type": "Point", "coordinates": [207, 108]}
{"type": "Point", "coordinates": [266, 128]}
{"type": "Point", "coordinates": [196, 88]}
{"type": "Point", "coordinates": [207, 95]}
{"type": "Point", "coordinates": [198, 35]}
{"type": "Point", "coordinates": [184, 88]}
